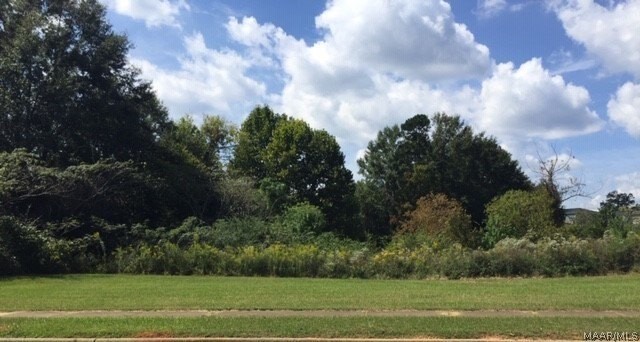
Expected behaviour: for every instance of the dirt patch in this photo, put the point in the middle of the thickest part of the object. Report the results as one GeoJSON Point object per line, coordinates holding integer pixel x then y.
{"type": "Point", "coordinates": [153, 334]}
{"type": "Point", "coordinates": [325, 313]}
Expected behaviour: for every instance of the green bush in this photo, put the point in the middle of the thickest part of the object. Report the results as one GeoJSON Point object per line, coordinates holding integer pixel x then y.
{"type": "Point", "coordinates": [510, 257]}
{"type": "Point", "coordinates": [443, 219]}
{"type": "Point", "coordinates": [111, 190]}
{"type": "Point", "coordinates": [235, 232]}
{"type": "Point", "coordinates": [518, 213]}
{"type": "Point", "coordinates": [586, 225]}
{"type": "Point", "coordinates": [20, 247]}
{"type": "Point", "coordinates": [240, 198]}
{"type": "Point", "coordinates": [27, 249]}
{"type": "Point", "coordinates": [299, 223]}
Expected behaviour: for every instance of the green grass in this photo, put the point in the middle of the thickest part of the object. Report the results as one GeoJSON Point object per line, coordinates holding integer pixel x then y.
{"type": "Point", "coordinates": [446, 327]}
{"type": "Point", "coordinates": [127, 292]}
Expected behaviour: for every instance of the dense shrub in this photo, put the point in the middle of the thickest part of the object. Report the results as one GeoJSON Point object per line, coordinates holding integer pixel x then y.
{"type": "Point", "coordinates": [439, 217]}
{"type": "Point", "coordinates": [510, 257]}
{"type": "Point", "coordinates": [27, 249]}
{"type": "Point", "coordinates": [518, 213]}
{"type": "Point", "coordinates": [112, 190]}
{"type": "Point", "coordinates": [299, 223]}
{"type": "Point", "coordinates": [236, 232]}
{"type": "Point", "coordinates": [587, 225]}
{"type": "Point", "coordinates": [240, 198]}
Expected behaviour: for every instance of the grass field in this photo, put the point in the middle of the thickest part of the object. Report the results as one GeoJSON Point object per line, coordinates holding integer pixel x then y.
{"type": "Point", "coordinates": [124, 292]}
{"type": "Point", "coordinates": [446, 327]}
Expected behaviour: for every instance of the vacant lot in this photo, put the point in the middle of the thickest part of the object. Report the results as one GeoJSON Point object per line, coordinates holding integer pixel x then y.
{"type": "Point", "coordinates": [582, 304]}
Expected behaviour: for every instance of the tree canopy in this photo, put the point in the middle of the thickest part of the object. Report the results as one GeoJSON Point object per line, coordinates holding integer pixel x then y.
{"type": "Point", "coordinates": [438, 155]}
{"type": "Point", "coordinates": [67, 93]}
{"type": "Point", "coordinates": [276, 149]}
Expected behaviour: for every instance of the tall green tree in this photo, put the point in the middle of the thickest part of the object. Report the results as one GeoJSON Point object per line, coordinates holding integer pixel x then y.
{"type": "Point", "coordinates": [438, 155]}
{"type": "Point", "coordinates": [67, 92]}
{"type": "Point", "coordinates": [616, 212]}
{"type": "Point", "coordinates": [189, 160]}
{"type": "Point", "coordinates": [295, 163]}
{"type": "Point", "coordinates": [254, 136]}
{"type": "Point", "coordinates": [311, 164]}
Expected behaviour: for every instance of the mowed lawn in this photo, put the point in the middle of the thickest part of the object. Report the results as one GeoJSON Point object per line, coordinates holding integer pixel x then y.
{"type": "Point", "coordinates": [405, 327]}
{"type": "Point", "coordinates": [142, 292]}
{"type": "Point", "coordinates": [127, 292]}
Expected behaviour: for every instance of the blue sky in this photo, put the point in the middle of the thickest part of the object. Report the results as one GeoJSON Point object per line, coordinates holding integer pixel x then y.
{"type": "Point", "coordinates": [538, 75]}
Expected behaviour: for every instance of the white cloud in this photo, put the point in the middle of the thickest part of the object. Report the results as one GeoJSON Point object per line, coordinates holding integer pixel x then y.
{"type": "Point", "coordinates": [404, 38]}
{"type": "Point", "coordinates": [208, 81]}
{"type": "Point", "coordinates": [261, 40]}
{"type": "Point", "coordinates": [563, 61]}
{"type": "Point", "coordinates": [528, 102]}
{"type": "Point", "coordinates": [378, 62]}
{"type": "Point", "coordinates": [629, 183]}
{"type": "Point", "coordinates": [341, 84]}
{"type": "Point", "coordinates": [624, 108]}
{"type": "Point", "coordinates": [609, 33]}
{"type": "Point", "coordinates": [622, 183]}
{"type": "Point", "coordinates": [153, 12]}
{"type": "Point", "coordinates": [250, 33]}
{"type": "Point", "coordinates": [490, 8]}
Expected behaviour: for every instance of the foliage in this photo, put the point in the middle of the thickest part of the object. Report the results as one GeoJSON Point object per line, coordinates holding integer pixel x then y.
{"type": "Point", "coordinates": [441, 155]}
{"type": "Point", "coordinates": [373, 209]}
{"type": "Point", "coordinates": [441, 218]}
{"type": "Point", "coordinates": [27, 249]}
{"type": "Point", "coordinates": [236, 232]}
{"type": "Point", "coordinates": [115, 191]}
{"type": "Point", "coordinates": [206, 145]}
{"type": "Point", "coordinates": [616, 213]}
{"type": "Point", "coordinates": [308, 163]}
{"type": "Point", "coordinates": [311, 164]}
{"type": "Point", "coordinates": [67, 93]}
{"type": "Point", "coordinates": [299, 223]}
{"type": "Point", "coordinates": [518, 213]}
{"type": "Point", "coordinates": [90, 164]}
{"type": "Point", "coordinates": [254, 136]}
{"type": "Point", "coordinates": [239, 198]}
{"type": "Point", "coordinates": [586, 225]}
{"type": "Point", "coordinates": [509, 257]}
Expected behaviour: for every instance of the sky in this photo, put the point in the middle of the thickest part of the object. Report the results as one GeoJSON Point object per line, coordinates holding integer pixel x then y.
{"type": "Point", "coordinates": [544, 77]}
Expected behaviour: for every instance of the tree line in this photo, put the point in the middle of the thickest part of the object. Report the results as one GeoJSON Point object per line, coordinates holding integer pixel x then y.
{"type": "Point", "coordinates": [91, 164]}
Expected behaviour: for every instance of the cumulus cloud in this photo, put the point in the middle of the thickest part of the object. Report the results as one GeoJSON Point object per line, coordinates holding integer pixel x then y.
{"type": "Point", "coordinates": [377, 63]}
{"type": "Point", "coordinates": [530, 102]}
{"type": "Point", "coordinates": [354, 87]}
{"type": "Point", "coordinates": [207, 81]}
{"type": "Point", "coordinates": [404, 38]}
{"type": "Point", "coordinates": [250, 33]}
{"type": "Point", "coordinates": [624, 108]}
{"type": "Point", "coordinates": [609, 33]}
{"type": "Point", "coordinates": [153, 12]}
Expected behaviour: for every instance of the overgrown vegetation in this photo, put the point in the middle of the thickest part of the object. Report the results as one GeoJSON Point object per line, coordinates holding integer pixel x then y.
{"type": "Point", "coordinates": [94, 177]}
